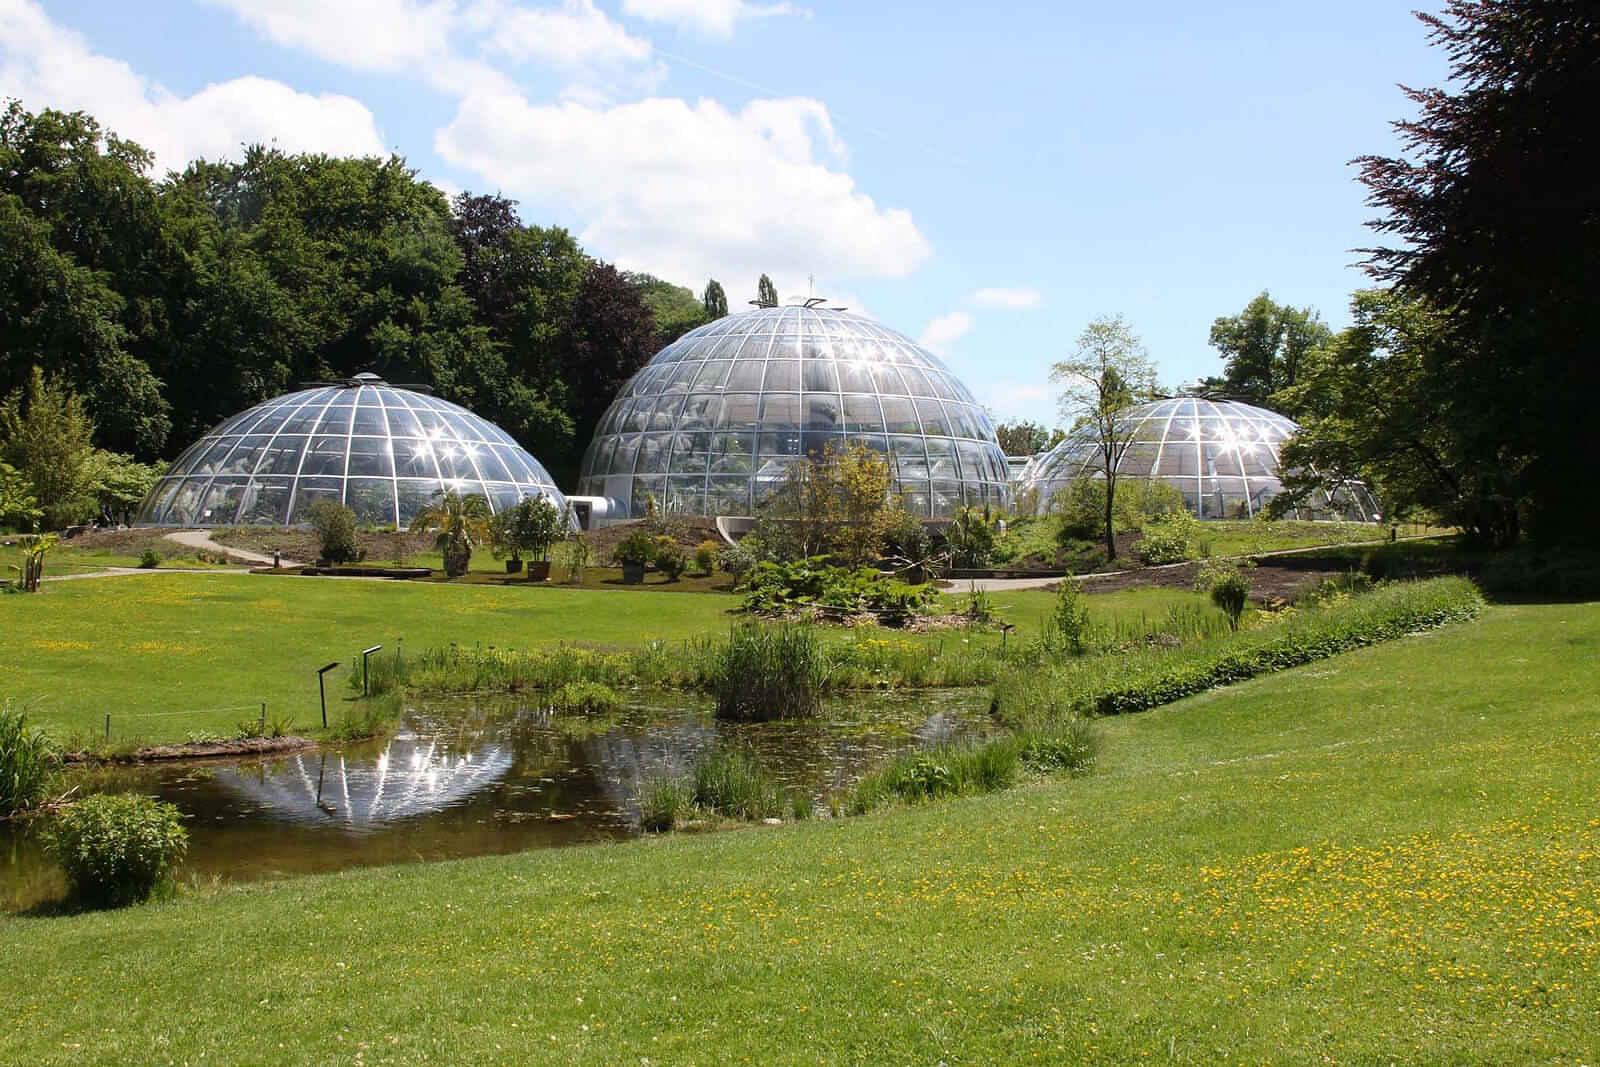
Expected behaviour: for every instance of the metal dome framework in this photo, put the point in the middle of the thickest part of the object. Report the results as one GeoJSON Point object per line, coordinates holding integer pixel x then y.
{"type": "Point", "coordinates": [1222, 455]}
{"type": "Point", "coordinates": [382, 450]}
{"type": "Point", "coordinates": [714, 421]}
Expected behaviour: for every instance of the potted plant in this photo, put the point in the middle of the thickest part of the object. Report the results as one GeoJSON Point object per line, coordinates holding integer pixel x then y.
{"type": "Point", "coordinates": [531, 527]}
{"type": "Point", "coordinates": [574, 553]}
{"type": "Point", "coordinates": [463, 524]}
{"type": "Point", "coordinates": [633, 552]}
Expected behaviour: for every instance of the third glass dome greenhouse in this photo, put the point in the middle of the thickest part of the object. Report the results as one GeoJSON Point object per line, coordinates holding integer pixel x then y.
{"type": "Point", "coordinates": [1222, 455]}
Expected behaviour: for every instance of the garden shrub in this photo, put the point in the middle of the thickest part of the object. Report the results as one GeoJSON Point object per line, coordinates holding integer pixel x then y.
{"type": "Point", "coordinates": [770, 672]}
{"type": "Point", "coordinates": [970, 537]}
{"type": "Point", "coordinates": [1110, 685]}
{"type": "Point", "coordinates": [1082, 507]}
{"type": "Point", "coordinates": [117, 849]}
{"type": "Point", "coordinates": [962, 769]}
{"type": "Point", "coordinates": [149, 559]}
{"type": "Point", "coordinates": [778, 589]}
{"type": "Point", "coordinates": [28, 762]}
{"type": "Point", "coordinates": [670, 558]}
{"type": "Point", "coordinates": [335, 525]}
{"type": "Point", "coordinates": [1069, 624]}
{"type": "Point", "coordinates": [1228, 585]}
{"type": "Point", "coordinates": [1169, 541]}
{"type": "Point", "coordinates": [705, 557]}
{"type": "Point", "coordinates": [740, 559]}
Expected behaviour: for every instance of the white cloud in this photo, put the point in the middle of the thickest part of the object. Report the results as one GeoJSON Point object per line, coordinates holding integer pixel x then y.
{"type": "Point", "coordinates": [708, 16]}
{"type": "Point", "coordinates": [442, 42]}
{"type": "Point", "coordinates": [1007, 299]}
{"type": "Point", "coordinates": [574, 37]}
{"type": "Point", "coordinates": [944, 331]}
{"type": "Point", "coordinates": [688, 191]}
{"type": "Point", "coordinates": [46, 65]}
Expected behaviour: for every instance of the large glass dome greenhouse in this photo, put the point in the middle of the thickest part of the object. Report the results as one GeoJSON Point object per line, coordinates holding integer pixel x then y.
{"type": "Point", "coordinates": [712, 423]}
{"type": "Point", "coordinates": [1222, 455]}
{"type": "Point", "coordinates": [383, 451]}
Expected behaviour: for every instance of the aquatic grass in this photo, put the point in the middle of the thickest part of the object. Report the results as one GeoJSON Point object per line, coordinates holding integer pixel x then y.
{"type": "Point", "coordinates": [586, 698]}
{"type": "Point", "coordinates": [29, 761]}
{"type": "Point", "coordinates": [664, 800]}
{"type": "Point", "coordinates": [965, 769]}
{"type": "Point", "coordinates": [770, 672]}
{"type": "Point", "coordinates": [729, 780]}
{"type": "Point", "coordinates": [1141, 679]}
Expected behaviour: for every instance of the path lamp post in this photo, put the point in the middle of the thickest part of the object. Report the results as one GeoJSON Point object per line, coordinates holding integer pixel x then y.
{"type": "Point", "coordinates": [365, 653]}
{"type": "Point", "coordinates": [323, 692]}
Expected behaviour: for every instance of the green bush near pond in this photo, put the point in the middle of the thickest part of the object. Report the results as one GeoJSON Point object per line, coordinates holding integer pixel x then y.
{"type": "Point", "coordinates": [116, 849]}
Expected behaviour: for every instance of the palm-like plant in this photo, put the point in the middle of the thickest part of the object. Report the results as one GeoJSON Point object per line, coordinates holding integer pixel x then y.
{"type": "Point", "coordinates": [463, 523]}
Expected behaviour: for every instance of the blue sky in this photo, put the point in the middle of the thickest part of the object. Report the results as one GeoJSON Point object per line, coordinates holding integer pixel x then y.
{"type": "Point", "coordinates": [986, 179]}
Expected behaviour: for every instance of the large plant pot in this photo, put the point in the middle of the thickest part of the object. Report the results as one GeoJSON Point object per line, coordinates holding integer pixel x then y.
{"type": "Point", "coordinates": [538, 570]}
{"type": "Point", "coordinates": [513, 566]}
{"type": "Point", "coordinates": [633, 574]}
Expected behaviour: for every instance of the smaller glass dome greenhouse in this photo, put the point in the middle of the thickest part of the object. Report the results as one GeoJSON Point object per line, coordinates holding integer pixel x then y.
{"type": "Point", "coordinates": [381, 450]}
{"type": "Point", "coordinates": [1222, 455]}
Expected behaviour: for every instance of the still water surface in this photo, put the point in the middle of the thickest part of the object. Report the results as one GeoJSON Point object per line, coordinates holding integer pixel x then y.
{"type": "Point", "coordinates": [472, 777]}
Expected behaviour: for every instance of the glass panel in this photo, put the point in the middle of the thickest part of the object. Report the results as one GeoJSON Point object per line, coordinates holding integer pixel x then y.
{"type": "Point", "coordinates": [686, 495]}
{"type": "Point", "coordinates": [266, 503]}
{"type": "Point", "coordinates": [942, 458]}
{"type": "Point", "coordinates": [282, 456]}
{"type": "Point", "coordinates": [221, 504]}
{"type": "Point", "coordinates": [861, 413]}
{"type": "Point", "coordinates": [783, 375]}
{"type": "Point", "coordinates": [402, 423]}
{"type": "Point", "coordinates": [308, 491]}
{"type": "Point", "coordinates": [819, 377]}
{"type": "Point", "coordinates": [784, 443]}
{"type": "Point", "coordinates": [916, 381]}
{"type": "Point", "coordinates": [699, 412]}
{"type": "Point", "coordinates": [780, 411]}
{"type": "Point", "coordinates": [326, 456]}
{"type": "Point", "coordinates": [886, 379]}
{"type": "Point", "coordinates": [911, 461]}
{"type": "Point", "coordinates": [372, 500]}
{"type": "Point", "coordinates": [933, 419]}
{"type": "Point", "coordinates": [665, 415]}
{"type": "Point", "coordinates": [302, 419]}
{"type": "Point", "coordinates": [732, 453]}
{"type": "Point", "coordinates": [414, 457]}
{"type": "Point", "coordinates": [821, 411]}
{"type": "Point", "coordinates": [855, 377]}
{"type": "Point", "coordinates": [652, 454]}
{"type": "Point", "coordinates": [899, 415]}
{"type": "Point", "coordinates": [415, 496]}
{"type": "Point", "coordinates": [370, 420]}
{"type": "Point", "coordinates": [745, 376]}
{"type": "Point", "coordinates": [490, 466]}
{"type": "Point", "coordinates": [711, 375]}
{"type": "Point", "coordinates": [739, 410]}
{"type": "Point", "coordinates": [728, 496]}
{"type": "Point", "coordinates": [646, 490]}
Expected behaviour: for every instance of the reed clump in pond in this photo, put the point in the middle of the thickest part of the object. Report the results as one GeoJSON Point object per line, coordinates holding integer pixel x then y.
{"type": "Point", "coordinates": [771, 672]}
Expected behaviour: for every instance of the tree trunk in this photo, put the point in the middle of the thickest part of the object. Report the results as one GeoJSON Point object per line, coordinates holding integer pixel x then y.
{"type": "Point", "coordinates": [1111, 533]}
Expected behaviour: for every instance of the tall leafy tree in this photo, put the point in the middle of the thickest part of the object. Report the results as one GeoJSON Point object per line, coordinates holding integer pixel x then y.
{"type": "Point", "coordinates": [1495, 219]}
{"type": "Point", "coordinates": [1369, 409]}
{"type": "Point", "coordinates": [766, 293]}
{"type": "Point", "coordinates": [714, 300]}
{"type": "Point", "coordinates": [48, 436]}
{"type": "Point", "coordinates": [610, 335]}
{"type": "Point", "coordinates": [1108, 374]}
{"type": "Point", "coordinates": [1265, 347]}
{"type": "Point", "coordinates": [80, 286]}
{"type": "Point", "coordinates": [675, 308]}
{"type": "Point", "coordinates": [1022, 438]}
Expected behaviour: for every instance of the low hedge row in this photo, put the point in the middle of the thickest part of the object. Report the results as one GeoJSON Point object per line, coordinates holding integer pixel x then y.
{"type": "Point", "coordinates": [1114, 685]}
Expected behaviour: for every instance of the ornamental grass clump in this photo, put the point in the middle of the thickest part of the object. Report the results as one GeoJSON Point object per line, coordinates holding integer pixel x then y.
{"type": "Point", "coordinates": [664, 800]}
{"type": "Point", "coordinates": [117, 849]}
{"type": "Point", "coordinates": [28, 763]}
{"type": "Point", "coordinates": [731, 781]}
{"type": "Point", "coordinates": [770, 672]}
{"type": "Point", "coordinates": [964, 769]}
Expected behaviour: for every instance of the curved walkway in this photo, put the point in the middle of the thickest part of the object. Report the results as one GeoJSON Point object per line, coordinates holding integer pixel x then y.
{"type": "Point", "coordinates": [201, 539]}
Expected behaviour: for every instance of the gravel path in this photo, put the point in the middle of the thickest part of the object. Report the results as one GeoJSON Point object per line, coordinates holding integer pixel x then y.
{"type": "Point", "coordinates": [201, 539]}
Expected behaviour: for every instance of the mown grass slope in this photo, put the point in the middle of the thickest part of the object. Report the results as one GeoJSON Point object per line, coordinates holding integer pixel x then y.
{"type": "Point", "coordinates": [1392, 855]}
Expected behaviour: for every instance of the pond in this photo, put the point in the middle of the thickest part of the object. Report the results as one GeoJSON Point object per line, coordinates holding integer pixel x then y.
{"type": "Point", "coordinates": [472, 776]}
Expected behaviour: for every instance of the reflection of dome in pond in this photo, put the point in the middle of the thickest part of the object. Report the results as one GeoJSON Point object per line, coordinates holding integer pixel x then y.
{"type": "Point", "coordinates": [381, 450]}
{"type": "Point", "coordinates": [712, 423]}
{"type": "Point", "coordinates": [1221, 454]}
{"type": "Point", "coordinates": [411, 776]}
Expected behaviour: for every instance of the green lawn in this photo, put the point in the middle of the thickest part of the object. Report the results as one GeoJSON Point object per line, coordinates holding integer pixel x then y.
{"type": "Point", "coordinates": [170, 655]}
{"type": "Point", "coordinates": [1390, 856]}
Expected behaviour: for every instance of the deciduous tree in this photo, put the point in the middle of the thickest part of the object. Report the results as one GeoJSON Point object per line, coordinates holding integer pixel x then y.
{"type": "Point", "coordinates": [1107, 375]}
